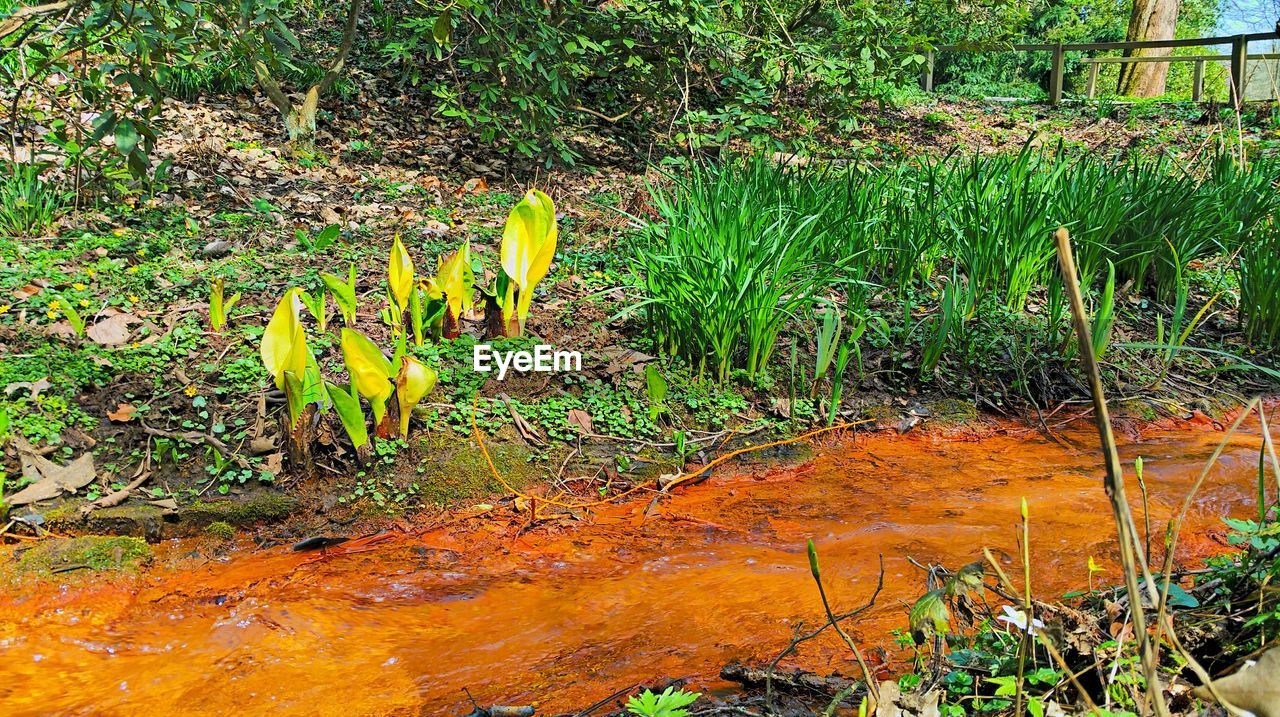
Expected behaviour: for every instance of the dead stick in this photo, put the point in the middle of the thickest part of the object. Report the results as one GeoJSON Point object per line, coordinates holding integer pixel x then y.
{"type": "Point", "coordinates": [197, 437]}
{"type": "Point", "coordinates": [799, 637]}
{"type": "Point", "coordinates": [1114, 483]}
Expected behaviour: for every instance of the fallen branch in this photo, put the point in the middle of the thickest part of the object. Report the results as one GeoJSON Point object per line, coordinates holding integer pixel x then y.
{"type": "Point", "coordinates": [799, 637]}
{"type": "Point", "coordinates": [115, 498]}
{"type": "Point", "coordinates": [200, 438]}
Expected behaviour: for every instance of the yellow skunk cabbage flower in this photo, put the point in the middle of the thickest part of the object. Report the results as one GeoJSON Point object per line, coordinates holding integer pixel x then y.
{"type": "Point", "coordinates": [454, 279]}
{"type": "Point", "coordinates": [369, 369]}
{"type": "Point", "coordinates": [414, 381]}
{"type": "Point", "coordinates": [528, 246]}
{"type": "Point", "coordinates": [400, 274]}
{"type": "Point", "coordinates": [284, 343]}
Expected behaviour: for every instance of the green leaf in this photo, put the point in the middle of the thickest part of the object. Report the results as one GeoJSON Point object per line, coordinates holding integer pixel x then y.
{"type": "Point", "coordinates": [442, 30]}
{"type": "Point", "coordinates": [929, 616]}
{"type": "Point", "coordinates": [656, 386]}
{"type": "Point", "coordinates": [126, 137]}
{"type": "Point", "coordinates": [813, 560]}
{"type": "Point", "coordinates": [344, 294]}
{"type": "Point", "coordinates": [326, 237]}
{"type": "Point", "coordinates": [347, 406]}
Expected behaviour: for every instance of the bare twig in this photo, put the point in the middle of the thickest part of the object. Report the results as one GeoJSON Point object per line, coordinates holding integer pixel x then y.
{"type": "Point", "coordinates": [203, 438]}
{"type": "Point", "coordinates": [800, 637]}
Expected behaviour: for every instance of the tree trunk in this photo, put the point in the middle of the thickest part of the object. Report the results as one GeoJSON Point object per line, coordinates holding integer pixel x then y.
{"type": "Point", "coordinates": [1151, 20]}
{"type": "Point", "coordinates": [300, 120]}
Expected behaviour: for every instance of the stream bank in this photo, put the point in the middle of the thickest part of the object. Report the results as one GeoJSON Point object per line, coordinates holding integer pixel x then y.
{"type": "Point", "coordinates": [566, 612]}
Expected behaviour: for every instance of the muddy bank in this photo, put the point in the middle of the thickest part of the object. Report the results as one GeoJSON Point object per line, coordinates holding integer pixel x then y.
{"type": "Point", "coordinates": [587, 603]}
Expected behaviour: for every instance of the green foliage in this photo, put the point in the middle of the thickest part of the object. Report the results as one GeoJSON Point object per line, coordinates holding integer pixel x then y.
{"type": "Point", "coordinates": [105, 54]}
{"type": "Point", "coordinates": [518, 71]}
{"type": "Point", "coordinates": [669, 703]}
{"type": "Point", "coordinates": [203, 75]}
{"type": "Point", "coordinates": [743, 248]}
{"type": "Point", "coordinates": [29, 204]}
{"type": "Point", "coordinates": [993, 26]}
{"type": "Point", "coordinates": [1259, 272]}
{"type": "Point", "coordinates": [740, 253]}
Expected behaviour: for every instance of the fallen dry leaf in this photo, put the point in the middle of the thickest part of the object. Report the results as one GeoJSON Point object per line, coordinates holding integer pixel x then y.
{"type": "Point", "coordinates": [48, 479]}
{"type": "Point", "coordinates": [274, 464]}
{"type": "Point", "coordinates": [475, 185]}
{"type": "Point", "coordinates": [581, 419]}
{"type": "Point", "coordinates": [26, 292]}
{"type": "Point", "coordinates": [35, 388]}
{"type": "Point", "coordinates": [123, 414]}
{"type": "Point", "coordinates": [113, 330]}
{"type": "Point", "coordinates": [1255, 689]}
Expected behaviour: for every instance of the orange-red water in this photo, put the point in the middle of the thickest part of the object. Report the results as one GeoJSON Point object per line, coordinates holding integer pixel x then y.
{"type": "Point", "coordinates": [563, 616]}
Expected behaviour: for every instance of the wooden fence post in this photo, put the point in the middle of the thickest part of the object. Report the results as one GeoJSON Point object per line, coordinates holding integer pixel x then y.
{"type": "Point", "coordinates": [1093, 80]}
{"type": "Point", "coordinates": [1197, 81]}
{"type": "Point", "coordinates": [1055, 75]}
{"type": "Point", "coordinates": [926, 81]}
{"type": "Point", "coordinates": [1239, 55]}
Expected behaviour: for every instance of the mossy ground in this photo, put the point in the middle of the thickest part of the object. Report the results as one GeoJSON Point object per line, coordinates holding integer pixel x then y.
{"type": "Point", "coordinates": [220, 530]}
{"type": "Point", "coordinates": [91, 552]}
{"type": "Point", "coordinates": [259, 507]}
{"type": "Point", "coordinates": [453, 471]}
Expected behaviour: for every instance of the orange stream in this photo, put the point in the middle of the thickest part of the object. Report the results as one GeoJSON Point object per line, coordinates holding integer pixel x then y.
{"type": "Point", "coordinates": [565, 615]}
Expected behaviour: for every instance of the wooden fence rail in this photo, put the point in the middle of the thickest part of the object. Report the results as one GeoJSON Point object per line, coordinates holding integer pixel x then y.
{"type": "Point", "coordinates": [1238, 59]}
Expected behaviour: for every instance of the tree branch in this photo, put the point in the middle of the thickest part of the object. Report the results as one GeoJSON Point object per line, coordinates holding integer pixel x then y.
{"type": "Point", "coordinates": [348, 38]}
{"type": "Point", "coordinates": [272, 88]}
{"type": "Point", "coordinates": [20, 16]}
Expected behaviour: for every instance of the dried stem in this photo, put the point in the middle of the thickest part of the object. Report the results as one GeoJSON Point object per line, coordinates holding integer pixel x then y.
{"type": "Point", "coordinates": [1114, 484]}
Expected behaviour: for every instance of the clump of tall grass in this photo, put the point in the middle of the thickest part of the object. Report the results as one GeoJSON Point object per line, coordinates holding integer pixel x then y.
{"type": "Point", "coordinates": [739, 253]}
{"type": "Point", "coordinates": [998, 212]}
{"type": "Point", "coordinates": [1260, 284]}
{"type": "Point", "coordinates": [28, 203]}
{"type": "Point", "coordinates": [746, 246]}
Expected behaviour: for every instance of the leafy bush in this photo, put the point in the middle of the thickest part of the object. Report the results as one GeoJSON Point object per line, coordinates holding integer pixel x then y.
{"type": "Point", "coordinates": [518, 71]}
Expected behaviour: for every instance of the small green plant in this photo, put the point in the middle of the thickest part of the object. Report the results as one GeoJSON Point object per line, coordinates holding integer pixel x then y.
{"type": "Point", "coordinates": [1105, 316]}
{"type": "Point", "coordinates": [1259, 278]}
{"type": "Point", "coordinates": [670, 703]}
{"type": "Point", "coordinates": [28, 204]}
{"type": "Point", "coordinates": [318, 305]}
{"type": "Point", "coordinates": [847, 349]}
{"type": "Point", "coordinates": [73, 317]}
{"type": "Point", "coordinates": [321, 241]}
{"type": "Point", "coordinates": [344, 294]}
{"type": "Point", "coordinates": [219, 305]}
{"type": "Point", "coordinates": [656, 386]}
{"type": "Point", "coordinates": [828, 340]}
